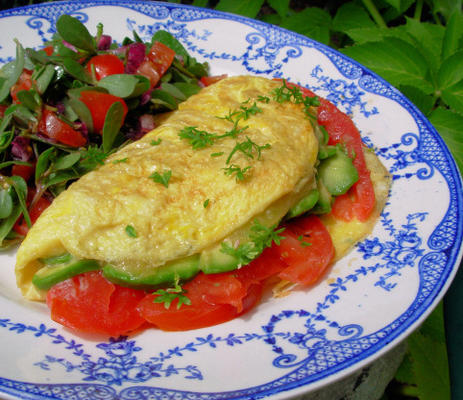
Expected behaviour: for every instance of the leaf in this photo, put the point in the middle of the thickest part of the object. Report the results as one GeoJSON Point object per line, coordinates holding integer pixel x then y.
{"type": "Point", "coordinates": [7, 224]}
{"type": "Point", "coordinates": [66, 161]}
{"type": "Point", "coordinates": [14, 73]}
{"type": "Point", "coordinates": [280, 6]}
{"type": "Point", "coordinates": [422, 100]}
{"type": "Point", "coordinates": [20, 187]}
{"type": "Point", "coordinates": [188, 89]}
{"type": "Point", "coordinates": [6, 204]}
{"type": "Point", "coordinates": [59, 177]}
{"type": "Point", "coordinates": [120, 85]}
{"type": "Point", "coordinates": [395, 60]}
{"type": "Point", "coordinates": [429, 357]}
{"type": "Point", "coordinates": [312, 22]}
{"type": "Point", "coordinates": [200, 3]}
{"type": "Point", "coordinates": [449, 124]}
{"type": "Point", "coordinates": [446, 7]}
{"type": "Point", "coordinates": [75, 33]}
{"type": "Point", "coordinates": [365, 35]}
{"type": "Point", "coordinates": [173, 91]}
{"type": "Point", "coordinates": [170, 41]}
{"type": "Point", "coordinates": [351, 16]}
{"type": "Point", "coordinates": [142, 85]}
{"type": "Point", "coordinates": [112, 125]}
{"type": "Point", "coordinates": [30, 99]}
{"type": "Point", "coordinates": [428, 39]}
{"type": "Point", "coordinates": [82, 111]}
{"type": "Point", "coordinates": [43, 162]}
{"type": "Point", "coordinates": [76, 70]}
{"type": "Point", "coordinates": [405, 372]}
{"type": "Point", "coordinates": [453, 36]}
{"type": "Point", "coordinates": [400, 5]}
{"type": "Point", "coordinates": [451, 71]}
{"type": "Point", "coordinates": [248, 8]}
{"type": "Point", "coordinates": [453, 97]}
{"type": "Point", "coordinates": [161, 97]}
{"type": "Point", "coordinates": [44, 78]}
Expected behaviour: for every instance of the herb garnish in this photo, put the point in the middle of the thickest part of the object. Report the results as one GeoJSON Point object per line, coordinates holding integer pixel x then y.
{"type": "Point", "coordinates": [167, 296]}
{"type": "Point", "coordinates": [293, 94]}
{"type": "Point", "coordinates": [162, 179]}
{"type": "Point", "coordinates": [302, 241]}
{"type": "Point", "coordinates": [130, 230]}
{"type": "Point", "coordinates": [238, 171]}
{"type": "Point", "coordinates": [206, 203]}
{"type": "Point", "coordinates": [122, 160]}
{"type": "Point", "coordinates": [197, 138]}
{"type": "Point", "coordinates": [156, 142]}
{"type": "Point", "coordinates": [248, 147]}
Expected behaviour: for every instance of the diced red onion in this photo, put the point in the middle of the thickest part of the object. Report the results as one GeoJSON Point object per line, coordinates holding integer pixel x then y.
{"type": "Point", "coordinates": [82, 128]}
{"type": "Point", "coordinates": [70, 46]}
{"type": "Point", "coordinates": [135, 56]}
{"type": "Point", "coordinates": [104, 42]}
{"type": "Point", "coordinates": [146, 123]}
{"type": "Point", "coordinates": [21, 149]}
{"type": "Point", "coordinates": [145, 97]}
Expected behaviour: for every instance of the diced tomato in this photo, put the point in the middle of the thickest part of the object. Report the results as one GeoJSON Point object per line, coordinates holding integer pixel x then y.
{"type": "Point", "coordinates": [214, 299]}
{"type": "Point", "coordinates": [48, 50]}
{"type": "Point", "coordinates": [359, 201]}
{"type": "Point", "coordinates": [34, 213]}
{"type": "Point", "coordinates": [24, 83]}
{"type": "Point", "coordinates": [209, 80]}
{"type": "Point", "coordinates": [307, 250]}
{"type": "Point", "coordinates": [99, 103]}
{"type": "Point", "coordinates": [105, 65]}
{"type": "Point", "coordinates": [156, 62]}
{"type": "Point", "coordinates": [54, 128]}
{"type": "Point", "coordinates": [24, 171]}
{"type": "Point", "coordinates": [90, 303]}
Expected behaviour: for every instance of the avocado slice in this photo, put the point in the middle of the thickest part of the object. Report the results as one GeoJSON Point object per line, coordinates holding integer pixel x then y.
{"type": "Point", "coordinates": [304, 205]}
{"type": "Point", "coordinates": [182, 269]}
{"type": "Point", "coordinates": [214, 261]}
{"type": "Point", "coordinates": [60, 268]}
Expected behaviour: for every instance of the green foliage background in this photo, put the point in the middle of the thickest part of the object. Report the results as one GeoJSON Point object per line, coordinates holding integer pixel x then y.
{"type": "Point", "coordinates": [416, 45]}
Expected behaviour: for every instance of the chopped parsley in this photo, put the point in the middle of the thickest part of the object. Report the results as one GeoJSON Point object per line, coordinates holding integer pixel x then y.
{"type": "Point", "coordinates": [156, 142]}
{"type": "Point", "coordinates": [162, 179]}
{"type": "Point", "coordinates": [130, 230]}
{"type": "Point", "coordinates": [122, 160]}
{"type": "Point", "coordinates": [167, 296]}
{"type": "Point", "coordinates": [197, 138]}
{"type": "Point", "coordinates": [263, 99]}
{"type": "Point", "coordinates": [248, 147]}
{"type": "Point", "coordinates": [221, 153]}
{"type": "Point", "coordinates": [293, 94]}
{"type": "Point", "coordinates": [206, 203]}
{"type": "Point", "coordinates": [240, 173]}
{"type": "Point", "coordinates": [303, 242]}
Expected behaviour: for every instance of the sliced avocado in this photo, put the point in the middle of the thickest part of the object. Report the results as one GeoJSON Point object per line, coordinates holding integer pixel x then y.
{"type": "Point", "coordinates": [323, 205]}
{"type": "Point", "coordinates": [338, 173]}
{"type": "Point", "coordinates": [61, 268]}
{"type": "Point", "coordinates": [304, 205]}
{"type": "Point", "coordinates": [182, 269]}
{"type": "Point", "coordinates": [214, 261]}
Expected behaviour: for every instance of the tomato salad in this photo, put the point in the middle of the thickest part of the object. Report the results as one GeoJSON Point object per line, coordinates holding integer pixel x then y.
{"type": "Point", "coordinates": [111, 93]}
{"type": "Point", "coordinates": [68, 106]}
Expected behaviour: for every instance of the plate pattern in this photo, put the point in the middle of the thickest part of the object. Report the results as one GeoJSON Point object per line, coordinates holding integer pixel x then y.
{"type": "Point", "coordinates": [307, 344]}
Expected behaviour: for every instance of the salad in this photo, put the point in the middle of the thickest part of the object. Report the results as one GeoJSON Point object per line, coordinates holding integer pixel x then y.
{"type": "Point", "coordinates": [68, 106]}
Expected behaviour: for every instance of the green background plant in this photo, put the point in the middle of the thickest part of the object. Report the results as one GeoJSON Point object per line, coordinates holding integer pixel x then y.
{"type": "Point", "coordinates": [416, 45]}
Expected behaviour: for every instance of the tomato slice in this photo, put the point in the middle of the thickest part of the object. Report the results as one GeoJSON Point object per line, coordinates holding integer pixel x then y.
{"type": "Point", "coordinates": [359, 201]}
{"type": "Point", "coordinates": [215, 298]}
{"type": "Point", "coordinates": [90, 303]}
{"type": "Point", "coordinates": [24, 83]}
{"type": "Point", "coordinates": [34, 212]}
{"type": "Point", "coordinates": [24, 171]}
{"type": "Point", "coordinates": [156, 62]}
{"type": "Point", "coordinates": [99, 103]}
{"type": "Point", "coordinates": [307, 250]}
{"type": "Point", "coordinates": [54, 128]}
{"type": "Point", "coordinates": [209, 80]}
{"type": "Point", "coordinates": [104, 65]}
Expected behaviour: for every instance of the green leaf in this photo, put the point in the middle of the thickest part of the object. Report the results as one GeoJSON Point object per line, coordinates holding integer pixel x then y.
{"type": "Point", "coordinates": [170, 41]}
{"type": "Point", "coordinates": [5, 164]}
{"type": "Point", "coordinates": [400, 5]}
{"type": "Point", "coordinates": [76, 70]}
{"type": "Point", "coordinates": [405, 372]}
{"type": "Point", "coordinates": [453, 97]}
{"type": "Point", "coordinates": [351, 16]}
{"type": "Point", "coordinates": [248, 8]}
{"type": "Point", "coordinates": [429, 358]}
{"type": "Point", "coordinates": [43, 162]}
{"type": "Point", "coordinates": [7, 224]}
{"type": "Point", "coordinates": [365, 35]}
{"type": "Point", "coordinates": [312, 22]}
{"type": "Point", "coordinates": [173, 91]}
{"type": "Point", "coordinates": [162, 179]}
{"type": "Point", "coordinates": [5, 139]}
{"type": "Point", "coordinates": [451, 71]}
{"type": "Point", "coordinates": [112, 125]}
{"type": "Point", "coordinates": [161, 97]}
{"type": "Point", "coordinates": [428, 39]}
{"type": "Point", "coordinates": [280, 6]}
{"type": "Point", "coordinates": [422, 100]}
{"type": "Point", "coordinates": [82, 111]}
{"type": "Point", "coordinates": [130, 230]}
{"type": "Point", "coordinates": [446, 7]}
{"type": "Point", "coordinates": [60, 177]}
{"type": "Point", "coordinates": [6, 204]}
{"type": "Point", "coordinates": [30, 99]}
{"type": "Point", "coordinates": [142, 85]}
{"type": "Point", "coordinates": [75, 33]}
{"type": "Point", "coordinates": [120, 85]}
{"type": "Point", "coordinates": [188, 89]}
{"type": "Point", "coordinates": [14, 72]}
{"type": "Point", "coordinates": [44, 78]}
{"type": "Point", "coordinates": [20, 187]}
{"type": "Point", "coordinates": [37, 57]}
{"type": "Point", "coordinates": [453, 36]}
{"type": "Point", "coordinates": [66, 161]}
{"type": "Point", "coordinates": [395, 60]}
{"type": "Point", "coordinates": [448, 124]}
{"type": "Point", "coordinates": [200, 3]}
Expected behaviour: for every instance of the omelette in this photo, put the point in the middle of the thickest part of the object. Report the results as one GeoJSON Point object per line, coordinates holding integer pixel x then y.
{"type": "Point", "coordinates": [201, 178]}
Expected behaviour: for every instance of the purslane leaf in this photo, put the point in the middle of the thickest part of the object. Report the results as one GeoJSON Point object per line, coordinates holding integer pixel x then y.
{"type": "Point", "coordinates": [74, 32]}
{"type": "Point", "coordinates": [120, 85]}
{"type": "Point", "coordinates": [14, 73]}
{"type": "Point", "coordinates": [395, 60]}
{"type": "Point", "coordinates": [112, 124]}
{"type": "Point", "coordinates": [448, 124]}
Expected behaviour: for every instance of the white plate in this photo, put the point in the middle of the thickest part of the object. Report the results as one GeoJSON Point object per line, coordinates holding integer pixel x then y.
{"type": "Point", "coordinates": [370, 301]}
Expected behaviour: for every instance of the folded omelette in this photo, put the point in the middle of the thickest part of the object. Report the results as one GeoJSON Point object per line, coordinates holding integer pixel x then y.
{"type": "Point", "coordinates": [164, 198]}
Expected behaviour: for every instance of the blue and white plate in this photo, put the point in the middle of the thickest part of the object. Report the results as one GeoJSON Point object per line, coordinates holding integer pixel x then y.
{"type": "Point", "coordinates": [369, 302]}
